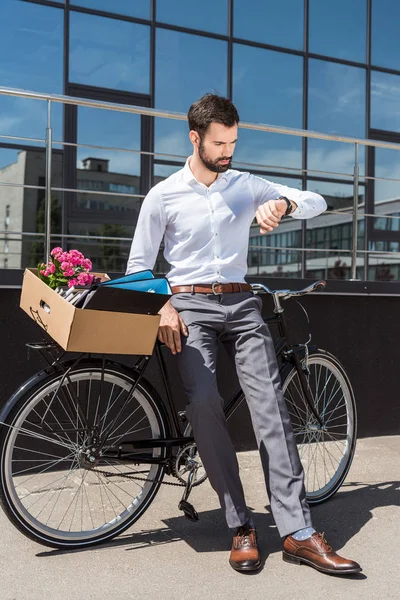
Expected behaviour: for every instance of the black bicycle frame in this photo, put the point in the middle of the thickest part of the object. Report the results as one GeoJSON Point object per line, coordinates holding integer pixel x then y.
{"type": "Point", "coordinates": [128, 450]}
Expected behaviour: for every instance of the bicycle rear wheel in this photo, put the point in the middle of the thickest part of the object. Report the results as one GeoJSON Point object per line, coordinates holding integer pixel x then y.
{"type": "Point", "coordinates": [325, 452]}
{"type": "Point", "coordinates": [49, 488]}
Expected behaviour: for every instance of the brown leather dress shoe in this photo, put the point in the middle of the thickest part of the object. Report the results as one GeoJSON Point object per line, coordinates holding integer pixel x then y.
{"type": "Point", "coordinates": [244, 554]}
{"type": "Point", "coordinates": [316, 552]}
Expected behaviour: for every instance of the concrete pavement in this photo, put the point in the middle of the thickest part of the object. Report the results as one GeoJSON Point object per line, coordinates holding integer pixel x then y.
{"type": "Point", "coordinates": [164, 556]}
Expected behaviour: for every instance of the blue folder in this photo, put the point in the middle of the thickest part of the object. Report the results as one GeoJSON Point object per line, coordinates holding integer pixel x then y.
{"type": "Point", "coordinates": [137, 293]}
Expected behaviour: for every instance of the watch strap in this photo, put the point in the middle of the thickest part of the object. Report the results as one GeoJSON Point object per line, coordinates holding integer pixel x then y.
{"type": "Point", "coordinates": [288, 204]}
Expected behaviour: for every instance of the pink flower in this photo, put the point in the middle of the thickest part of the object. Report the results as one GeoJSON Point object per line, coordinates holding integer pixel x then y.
{"type": "Point", "coordinates": [85, 278]}
{"type": "Point", "coordinates": [69, 273]}
{"type": "Point", "coordinates": [75, 260]}
{"type": "Point", "coordinates": [56, 251]}
{"type": "Point", "coordinates": [63, 257]}
{"type": "Point", "coordinates": [82, 278]}
{"type": "Point", "coordinates": [65, 265]}
{"type": "Point", "coordinates": [51, 268]}
{"type": "Point", "coordinates": [86, 264]}
{"type": "Point", "coordinates": [72, 282]}
{"type": "Point", "coordinates": [43, 272]}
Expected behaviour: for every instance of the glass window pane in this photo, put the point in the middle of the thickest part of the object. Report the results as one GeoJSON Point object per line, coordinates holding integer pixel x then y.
{"type": "Point", "coordinates": [387, 190]}
{"type": "Point", "coordinates": [277, 23]}
{"type": "Point", "coordinates": [171, 139]}
{"type": "Point", "coordinates": [27, 118]}
{"type": "Point", "coordinates": [338, 196]}
{"type": "Point", "coordinates": [253, 71]}
{"type": "Point", "coordinates": [115, 130]}
{"type": "Point", "coordinates": [31, 46]}
{"type": "Point", "coordinates": [179, 81]}
{"type": "Point", "coordinates": [325, 157]}
{"type": "Point", "coordinates": [22, 209]}
{"type": "Point", "coordinates": [207, 15]}
{"type": "Point", "coordinates": [137, 8]}
{"type": "Point", "coordinates": [385, 101]}
{"type": "Point", "coordinates": [385, 48]}
{"type": "Point", "coordinates": [268, 150]}
{"type": "Point", "coordinates": [271, 254]}
{"type": "Point", "coordinates": [338, 29]}
{"type": "Point", "coordinates": [336, 98]}
{"type": "Point", "coordinates": [109, 53]}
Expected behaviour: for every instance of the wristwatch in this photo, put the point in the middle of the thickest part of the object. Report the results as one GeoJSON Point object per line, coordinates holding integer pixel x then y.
{"type": "Point", "coordinates": [289, 205]}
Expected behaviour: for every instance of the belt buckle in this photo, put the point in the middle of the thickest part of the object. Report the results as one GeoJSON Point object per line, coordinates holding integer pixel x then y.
{"type": "Point", "coordinates": [213, 287]}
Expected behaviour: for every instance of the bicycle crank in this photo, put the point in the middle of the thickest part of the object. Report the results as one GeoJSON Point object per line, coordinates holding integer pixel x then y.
{"type": "Point", "coordinates": [188, 509]}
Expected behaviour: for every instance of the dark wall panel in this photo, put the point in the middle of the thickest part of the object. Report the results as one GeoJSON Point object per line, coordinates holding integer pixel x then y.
{"type": "Point", "coordinates": [362, 331]}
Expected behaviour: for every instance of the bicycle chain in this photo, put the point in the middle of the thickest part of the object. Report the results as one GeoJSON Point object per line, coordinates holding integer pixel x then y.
{"type": "Point", "coordinates": [136, 478]}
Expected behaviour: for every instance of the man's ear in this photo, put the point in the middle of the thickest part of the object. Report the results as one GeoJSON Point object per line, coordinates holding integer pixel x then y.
{"type": "Point", "coordinates": [194, 138]}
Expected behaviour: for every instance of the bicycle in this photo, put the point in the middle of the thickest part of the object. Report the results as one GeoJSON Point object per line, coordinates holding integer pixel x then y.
{"type": "Point", "coordinates": [85, 443]}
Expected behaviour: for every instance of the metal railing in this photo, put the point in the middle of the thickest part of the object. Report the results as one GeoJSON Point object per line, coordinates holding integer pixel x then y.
{"type": "Point", "coordinates": [50, 144]}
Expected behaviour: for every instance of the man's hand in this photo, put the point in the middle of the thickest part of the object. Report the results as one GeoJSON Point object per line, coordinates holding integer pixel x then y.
{"type": "Point", "coordinates": [170, 328]}
{"type": "Point", "coordinates": [270, 213]}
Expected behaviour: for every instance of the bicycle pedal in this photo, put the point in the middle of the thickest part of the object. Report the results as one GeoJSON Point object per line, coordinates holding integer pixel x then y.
{"type": "Point", "coordinates": [188, 510]}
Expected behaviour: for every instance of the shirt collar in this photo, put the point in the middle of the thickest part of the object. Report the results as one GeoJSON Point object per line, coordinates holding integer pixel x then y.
{"type": "Point", "coordinates": [188, 176]}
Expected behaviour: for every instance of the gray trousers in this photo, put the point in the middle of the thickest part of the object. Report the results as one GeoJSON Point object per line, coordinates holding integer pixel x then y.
{"type": "Point", "coordinates": [235, 320]}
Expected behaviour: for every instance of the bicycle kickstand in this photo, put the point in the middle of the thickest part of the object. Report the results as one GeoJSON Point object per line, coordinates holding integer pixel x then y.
{"type": "Point", "coordinates": [187, 508]}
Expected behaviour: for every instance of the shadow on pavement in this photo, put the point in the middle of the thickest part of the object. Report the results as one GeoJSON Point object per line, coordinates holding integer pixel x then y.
{"type": "Point", "coordinates": [340, 518]}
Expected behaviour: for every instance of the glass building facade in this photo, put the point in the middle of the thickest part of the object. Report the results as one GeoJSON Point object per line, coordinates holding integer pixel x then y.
{"type": "Point", "coordinates": [319, 65]}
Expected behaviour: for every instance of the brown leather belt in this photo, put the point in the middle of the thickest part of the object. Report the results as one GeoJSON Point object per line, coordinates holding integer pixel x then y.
{"type": "Point", "coordinates": [213, 288]}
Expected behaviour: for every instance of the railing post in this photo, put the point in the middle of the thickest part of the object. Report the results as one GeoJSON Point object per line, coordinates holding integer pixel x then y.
{"type": "Point", "coordinates": [47, 197]}
{"type": "Point", "coordinates": [355, 216]}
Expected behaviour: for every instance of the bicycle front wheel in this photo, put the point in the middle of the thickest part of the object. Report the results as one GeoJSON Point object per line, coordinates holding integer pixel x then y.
{"type": "Point", "coordinates": [58, 485]}
{"type": "Point", "coordinates": [326, 452]}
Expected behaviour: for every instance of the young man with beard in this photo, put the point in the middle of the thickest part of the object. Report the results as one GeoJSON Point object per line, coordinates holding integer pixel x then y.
{"type": "Point", "coordinates": [204, 212]}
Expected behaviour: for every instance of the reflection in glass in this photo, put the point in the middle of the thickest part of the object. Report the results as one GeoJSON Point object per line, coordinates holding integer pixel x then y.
{"type": "Point", "coordinates": [385, 33]}
{"type": "Point", "coordinates": [277, 23]}
{"type": "Point", "coordinates": [23, 209]}
{"type": "Point", "coordinates": [271, 254]}
{"type": "Point", "coordinates": [385, 101]}
{"type": "Point", "coordinates": [179, 79]}
{"type": "Point", "coordinates": [338, 29]}
{"type": "Point", "coordinates": [387, 190]}
{"type": "Point", "coordinates": [31, 39]}
{"type": "Point", "coordinates": [336, 100]}
{"type": "Point", "coordinates": [171, 139]}
{"type": "Point", "coordinates": [137, 8]}
{"type": "Point", "coordinates": [106, 253]}
{"type": "Point", "coordinates": [112, 129]}
{"type": "Point", "coordinates": [109, 53]}
{"type": "Point", "coordinates": [333, 232]}
{"type": "Point", "coordinates": [268, 86]}
{"type": "Point", "coordinates": [339, 196]}
{"type": "Point", "coordinates": [207, 16]}
{"type": "Point", "coordinates": [268, 150]}
{"type": "Point", "coordinates": [161, 172]}
{"type": "Point", "coordinates": [27, 118]}
{"type": "Point", "coordinates": [326, 156]}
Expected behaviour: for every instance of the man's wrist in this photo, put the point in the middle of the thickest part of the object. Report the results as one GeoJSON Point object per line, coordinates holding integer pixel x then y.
{"type": "Point", "coordinates": [290, 205]}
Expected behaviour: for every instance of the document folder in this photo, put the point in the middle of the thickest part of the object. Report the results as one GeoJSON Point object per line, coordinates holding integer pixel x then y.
{"type": "Point", "coordinates": [140, 293]}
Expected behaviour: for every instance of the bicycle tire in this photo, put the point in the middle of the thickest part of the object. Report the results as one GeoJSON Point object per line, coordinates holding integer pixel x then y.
{"type": "Point", "coordinates": [45, 489]}
{"type": "Point", "coordinates": [326, 454]}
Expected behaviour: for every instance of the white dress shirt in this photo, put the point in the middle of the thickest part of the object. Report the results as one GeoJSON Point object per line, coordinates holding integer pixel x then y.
{"type": "Point", "coordinates": [206, 229]}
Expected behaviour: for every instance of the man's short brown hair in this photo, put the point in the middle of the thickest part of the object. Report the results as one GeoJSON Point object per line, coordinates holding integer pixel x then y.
{"type": "Point", "coordinates": [212, 108]}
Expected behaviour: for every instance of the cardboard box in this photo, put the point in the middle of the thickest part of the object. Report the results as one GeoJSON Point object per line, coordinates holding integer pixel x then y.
{"type": "Point", "coordinates": [83, 330]}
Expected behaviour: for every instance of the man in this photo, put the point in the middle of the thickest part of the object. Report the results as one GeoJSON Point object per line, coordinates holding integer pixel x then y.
{"type": "Point", "coordinates": [204, 213]}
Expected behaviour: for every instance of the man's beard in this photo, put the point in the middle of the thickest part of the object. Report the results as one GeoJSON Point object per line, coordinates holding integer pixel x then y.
{"type": "Point", "coordinates": [214, 166]}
